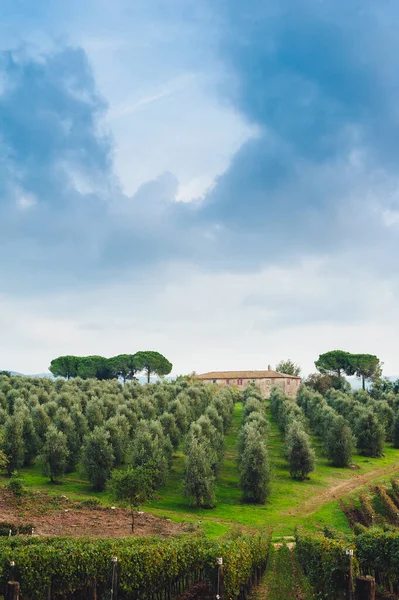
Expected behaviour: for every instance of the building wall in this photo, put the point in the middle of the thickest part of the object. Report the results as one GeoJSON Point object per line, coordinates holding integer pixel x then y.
{"type": "Point", "coordinates": [288, 386]}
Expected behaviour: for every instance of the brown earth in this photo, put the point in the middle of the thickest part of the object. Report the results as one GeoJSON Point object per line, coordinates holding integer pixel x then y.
{"type": "Point", "coordinates": [338, 490]}
{"type": "Point", "coordinates": [59, 515]}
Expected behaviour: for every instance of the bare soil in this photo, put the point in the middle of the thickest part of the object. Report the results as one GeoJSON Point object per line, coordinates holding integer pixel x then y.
{"type": "Point", "coordinates": [61, 516]}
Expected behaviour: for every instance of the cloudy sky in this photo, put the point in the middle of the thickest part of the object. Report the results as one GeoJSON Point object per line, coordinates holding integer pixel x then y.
{"type": "Point", "coordinates": [216, 180]}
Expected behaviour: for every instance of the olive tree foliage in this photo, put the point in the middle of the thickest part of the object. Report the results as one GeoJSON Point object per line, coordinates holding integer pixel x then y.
{"type": "Point", "coordinates": [13, 444]}
{"type": "Point", "coordinates": [292, 422]}
{"type": "Point", "coordinates": [54, 454]}
{"type": "Point", "coordinates": [253, 456]}
{"type": "Point", "coordinates": [204, 449]}
{"type": "Point", "coordinates": [340, 443]}
{"type": "Point", "coordinates": [107, 424]}
{"type": "Point", "coordinates": [396, 431]}
{"type": "Point", "coordinates": [254, 467]}
{"type": "Point", "coordinates": [285, 410]}
{"type": "Point", "coordinates": [153, 450]}
{"type": "Point", "coordinates": [370, 420]}
{"type": "Point", "coordinates": [199, 478]}
{"type": "Point", "coordinates": [288, 367]}
{"type": "Point", "coordinates": [370, 434]}
{"type": "Point", "coordinates": [170, 428]}
{"type": "Point", "coordinates": [298, 451]}
{"type": "Point", "coordinates": [98, 458]}
{"type": "Point", "coordinates": [333, 430]}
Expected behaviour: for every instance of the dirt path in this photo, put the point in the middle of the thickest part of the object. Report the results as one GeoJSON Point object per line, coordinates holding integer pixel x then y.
{"type": "Point", "coordinates": [338, 490]}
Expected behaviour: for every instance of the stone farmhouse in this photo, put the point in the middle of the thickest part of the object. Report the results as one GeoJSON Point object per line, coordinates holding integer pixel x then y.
{"type": "Point", "coordinates": [265, 380]}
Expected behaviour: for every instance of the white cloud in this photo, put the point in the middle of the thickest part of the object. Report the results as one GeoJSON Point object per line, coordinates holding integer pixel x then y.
{"type": "Point", "coordinates": [208, 321]}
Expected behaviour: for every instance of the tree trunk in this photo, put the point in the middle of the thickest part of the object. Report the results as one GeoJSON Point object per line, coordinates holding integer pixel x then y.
{"type": "Point", "coordinates": [132, 515]}
{"type": "Point", "coordinates": [148, 375]}
{"type": "Point", "coordinates": [363, 382]}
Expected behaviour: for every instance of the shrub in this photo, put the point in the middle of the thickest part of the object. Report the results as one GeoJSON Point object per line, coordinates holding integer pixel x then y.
{"type": "Point", "coordinates": [325, 563]}
{"type": "Point", "coordinates": [16, 485]}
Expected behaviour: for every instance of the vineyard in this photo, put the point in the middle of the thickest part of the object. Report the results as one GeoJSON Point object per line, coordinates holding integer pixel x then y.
{"type": "Point", "coordinates": [212, 473]}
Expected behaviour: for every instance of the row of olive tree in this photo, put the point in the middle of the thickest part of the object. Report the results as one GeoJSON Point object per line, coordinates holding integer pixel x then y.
{"type": "Point", "coordinates": [95, 425]}
{"type": "Point", "coordinates": [125, 366]}
{"type": "Point", "coordinates": [332, 429]}
{"type": "Point", "coordinates": [292, 423]}
{"type": "Point", "coordinates": [204, 449]}
{"type": "Point", "coordinates": [371, 421]}
{"type": "Point", "coordinates": [253, 454]}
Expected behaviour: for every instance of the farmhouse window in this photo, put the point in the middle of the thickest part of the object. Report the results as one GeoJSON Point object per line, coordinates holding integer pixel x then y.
{"type": "Point", "coordinates": [228, 381]}
{"type": "Point", "coordinates": [214, 381]}
{"type": "Point", "coordinates": [239, 382]}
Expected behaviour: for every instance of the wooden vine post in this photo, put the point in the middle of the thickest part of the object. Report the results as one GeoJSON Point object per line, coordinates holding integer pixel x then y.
{"type": "Point", "coordinates": [114, 586]}
{"type": "Point", "coordinates": [350, 578]}
{"type": "Point", "coordinates": [13, 590]}
{"type": "Point", "coordinates": [220, 586]}
{"type": "Point", "coordinates": [365, 588]}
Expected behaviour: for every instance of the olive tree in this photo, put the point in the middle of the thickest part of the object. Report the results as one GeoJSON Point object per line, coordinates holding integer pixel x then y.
{"type": "Point", "coordinates": [299, 452]}
{"type": "Point", "coordinates": [133, 486]}
{"type": "Point", "coordinates": [54, 453]}
{"type": "Point", "coordinates": [339, 443]}
{"type": "Point", "coordinates": [98, 458]}
{"type": "Point", "coordinates": [199, 478]}
{"type": "Point", "coordinates": [254, 466]}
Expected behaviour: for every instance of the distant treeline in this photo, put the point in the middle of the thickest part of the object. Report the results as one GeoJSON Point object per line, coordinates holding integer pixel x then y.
{"type": "Point", "coordinates": [126, 366]}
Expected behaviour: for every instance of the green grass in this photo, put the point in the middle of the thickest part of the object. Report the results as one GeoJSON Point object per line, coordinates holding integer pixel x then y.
{"type": "Point", "coordinates": [283, 579]}
{"type": "Point", "coordinates": [283, 510]}
{"type": "Point", "coordinates": [291, 503]}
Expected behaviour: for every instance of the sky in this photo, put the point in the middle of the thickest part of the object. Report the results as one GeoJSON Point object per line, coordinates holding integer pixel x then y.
{"type": "Point", "coordinates": [217, 181]}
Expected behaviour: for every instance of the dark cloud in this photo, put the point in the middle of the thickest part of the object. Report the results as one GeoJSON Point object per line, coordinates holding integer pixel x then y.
{"type": "Point", "coordinates": [310, 75]}
{"type": "Point", "coordinates": [324, 165]}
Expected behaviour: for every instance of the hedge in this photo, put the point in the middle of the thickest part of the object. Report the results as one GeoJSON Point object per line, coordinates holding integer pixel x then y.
{"type": "Point", "coordinates": [378, 555]}
{"type": "Point", "coordinates": [147, 568]}
{"type": "Point", "coordinates": [325, 563]}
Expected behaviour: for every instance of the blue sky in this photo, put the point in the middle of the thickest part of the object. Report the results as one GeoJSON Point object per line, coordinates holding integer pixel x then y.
{"type": "Point", "coordinates": [214, 180]}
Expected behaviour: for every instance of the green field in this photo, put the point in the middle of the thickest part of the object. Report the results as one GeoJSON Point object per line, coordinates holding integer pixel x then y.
{"type": "Point", "coordinates": [311, 503]}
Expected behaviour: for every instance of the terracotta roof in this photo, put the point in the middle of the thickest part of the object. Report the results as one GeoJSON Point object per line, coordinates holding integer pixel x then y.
{"type": "Point", "coordinates": [244, 375]}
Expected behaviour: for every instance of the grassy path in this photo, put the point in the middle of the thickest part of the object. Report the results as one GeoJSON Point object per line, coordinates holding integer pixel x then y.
{"type": "Point", "coordinates": [284, 578]}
